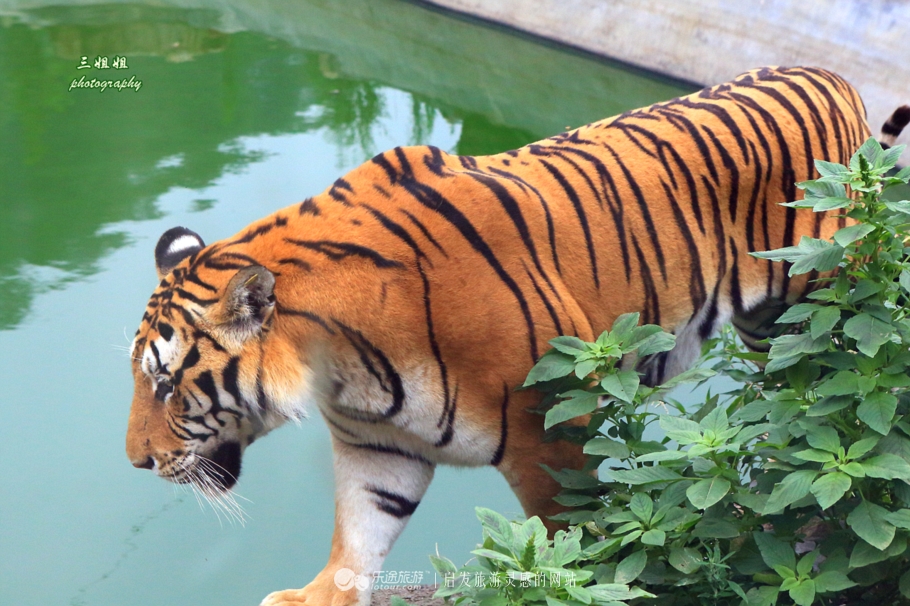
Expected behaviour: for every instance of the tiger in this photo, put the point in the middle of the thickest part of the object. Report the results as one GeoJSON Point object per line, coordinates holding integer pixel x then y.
{"type": "Point", "coordinates": [407, 302]}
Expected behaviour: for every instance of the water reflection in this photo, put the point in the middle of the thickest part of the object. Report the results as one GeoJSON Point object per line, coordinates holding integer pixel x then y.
{"type": "Point", "coordinates": [71, 162]}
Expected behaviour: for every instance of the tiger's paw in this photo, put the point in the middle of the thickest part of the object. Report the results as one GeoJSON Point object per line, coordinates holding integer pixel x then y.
{"type": "Point", "coordinates": [344, 588]}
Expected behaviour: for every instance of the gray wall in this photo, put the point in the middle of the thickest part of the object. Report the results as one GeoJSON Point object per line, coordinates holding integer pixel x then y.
{"type": "Point", "coordinates": [710, 41]}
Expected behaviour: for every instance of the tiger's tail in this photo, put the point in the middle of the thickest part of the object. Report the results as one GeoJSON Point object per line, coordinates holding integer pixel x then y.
{"type": "Point", "coordinates": [894, 125]}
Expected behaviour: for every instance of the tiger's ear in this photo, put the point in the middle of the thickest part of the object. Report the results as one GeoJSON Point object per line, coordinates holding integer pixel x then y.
{"type": "Point", "coordinates": [175, 245]}
{"type": "Point", "coordinates": [247, 303]}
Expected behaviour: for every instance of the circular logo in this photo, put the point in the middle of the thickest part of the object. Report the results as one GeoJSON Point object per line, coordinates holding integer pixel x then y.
{"type": "Point", "coordinates": [345, 578]}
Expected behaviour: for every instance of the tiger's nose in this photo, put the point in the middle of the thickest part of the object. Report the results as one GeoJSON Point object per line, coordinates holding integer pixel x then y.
{"type": "Point", "coordinates": [148, 463]}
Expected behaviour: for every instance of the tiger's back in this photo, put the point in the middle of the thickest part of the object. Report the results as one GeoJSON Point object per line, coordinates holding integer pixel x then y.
{"type": "Point", "coordinates": [407, 301]}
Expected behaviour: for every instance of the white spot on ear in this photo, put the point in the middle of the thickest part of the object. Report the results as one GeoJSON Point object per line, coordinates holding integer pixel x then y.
{"type": "Point", "coordinates": [183, 243]}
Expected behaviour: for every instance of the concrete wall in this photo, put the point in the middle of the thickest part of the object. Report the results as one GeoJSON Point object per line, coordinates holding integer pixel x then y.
{"type": "Point", "coordinates": [710, 41]}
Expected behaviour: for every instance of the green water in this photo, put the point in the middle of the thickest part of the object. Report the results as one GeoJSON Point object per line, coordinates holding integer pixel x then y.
{"type": "Point", "coordinates": [243, 108]}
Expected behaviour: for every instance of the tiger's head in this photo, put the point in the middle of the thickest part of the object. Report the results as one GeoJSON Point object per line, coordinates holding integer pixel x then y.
{"type": "Point", "coordinates": [201, 396]}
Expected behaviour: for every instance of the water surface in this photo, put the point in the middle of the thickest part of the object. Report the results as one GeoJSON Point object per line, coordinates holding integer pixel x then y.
{"type": "Point", "coordinates": [243, 108]}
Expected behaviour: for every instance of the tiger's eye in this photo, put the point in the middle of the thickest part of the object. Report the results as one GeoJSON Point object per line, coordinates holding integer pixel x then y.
{"type": "Point", "coordinates": [163, 390]}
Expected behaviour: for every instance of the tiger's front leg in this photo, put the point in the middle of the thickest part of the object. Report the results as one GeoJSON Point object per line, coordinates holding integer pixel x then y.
{"type": "Point", "coordinates": [376, 491]}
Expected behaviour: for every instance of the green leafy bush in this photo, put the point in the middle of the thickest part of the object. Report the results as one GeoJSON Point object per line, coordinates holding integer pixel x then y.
{"type": "Point", "coordinates": [793, 488]}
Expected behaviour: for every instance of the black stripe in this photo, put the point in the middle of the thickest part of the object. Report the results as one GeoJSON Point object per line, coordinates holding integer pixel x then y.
{"type": "Point", "coordinates": [393, 504]}
{"type": "Point", "coordinates": [425, 231]}
{"type": "Point", "coordinates": [308, 315]}
{"type": "Point", "coordinates": [645, 212]}
{"type": "Point", "coordinates": [397, 230]}
{"type": "Point", "coordinates": [162, 368]}
{"type": "Point", "coordinates": [197, 300]}
{"type": "Point", "coordinates": [551, 230]}
{"type": "Point", "coordinates": [165, 330]}
{"type": "Point", "coordinates": [391, 450]}
{"type": "Point", "coordinates": [434, 344]}
{"type": "Point", "coordinates": [697, 280]}
{"type": "Point", "coordinates": [732, 176]}
{"type": "Point", "coordinates": [296, 262]}
{"type": "Point", "coordinates": [229, 379]}
{"type": "Point", "coordinates": [513, 210]}
{"type": "Point", "coordinates": [580, 212]}
{"type": "Point", "coordinates": [651, 312]}
{"type": "Point", "coordinates": [340, 250]}
{"type": "Point", "coordinates": [308, 206]}
{"type": "Point", "coordinates": [503, 428]}
{"type": "Point", "coordinates": [192, 277]}
{"type": "Point", "coordinates": [614, 205]}
{"type": "Point", "coordinates": [389, 380]}
{"type": "Point", "coordinates": [189, 360]}
{"type": "Point", "coordinates": [433, 200]}
{"type": "Point", "coordinates": [449, 430]}
{"type": "Point", "coordinates": [543, 297]}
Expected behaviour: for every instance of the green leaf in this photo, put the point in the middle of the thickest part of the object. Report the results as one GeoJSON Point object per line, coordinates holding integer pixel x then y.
{"type": "Point", "coordinates": [639, 335]}
{"type": "Point", "coordinates": [843, 383]}
{"type": "Point", "coordinates": [865, 289]}
{"type": "Point", "coordinates": [610, 593]}
{"type": "Point", "coordinates": [492, 554]}
{"type": "Point", "coordinates": [586, 367]}
{"type": "Point", "coordinates": [905, 278]}
{"type": "Point", "coordinates": [684, 431]}
{"type": "Point", "coordinates": [854, 469]}
{"type": "Point", "coordinates": [621, 385]}
{"type": "Point", "coordinates": [824, 320]}
{"type": "Point", "coordinates": [662, 455]}
{"type": "Point", "coordinates": [656, 343]}
{"type": "Point", "coordinates": [623, 325]}
{"type": "Point", "coordinates": [569, 345]}
{"type": "Point", "coordinates": [642, 506]}
{"type": "Point", "coordinates": [877, 411]}
{"type": "Point", "coordinates": [798, 313]}
{"type": "Point", "coordinates": [792, 488]}
{"type": "Point", "coordinates": [716, 420]}
{"type": "Point", "coordinates": [809, 254]}
{"type": "Point", "coordinates": [774, 551]}
{"type": "Point", "coordinates": [605, 447]}
{"type": "Point", "coordinates": [803, 593]}
{"type": "Point", "coordinates": [715, 528]}
{"type": "Point", "coordinates": [865, 554]}
{"type": "Point", "coordinates": [654, 537]}
{"type": "Point", "coordinates": [629, 568]}
{"type": "Point", "coordinates": [495, 526]}
{"type": "Point", "coordinates": [570, 409]}
{"type": "Point", "coordinates": [707, 492]}
{"type": "Point", "coordinates": [552, 365]}
{"type": "Point", "coordinates": [870, 523]}
{"type": "Point", "coordinates": [831, 169]}
{"type": "Point", "coordinates": [900, 518]}
{"type": "Point", "coordinates": [829, 404]}
{"type": "Point", "coordinates": [861, 447]}
{"type": "Point", "coordinates": [870, 333]}
{"type": "Point", "coordinates": [847, 235]}
{"type": "Point", "coordinates": [572, 478]}
{"type": "Point", "coordinates": [685, 559]}
{"type": "Point", "coordinates": [904, 583]}
{"type": "Point", "coordinates": [830, 488]}
{"type": "Point", "coordinates": [887, 467]}
{"type": "Point", "coordinates": [792, 345]}
{"type": "Point", "coordinates": [396, 601]}
{"type": "Point", "coordinates": [644, 475]}
{"type": "Point", "coordinates": [823, 438]}
{"type": "Point", "coordinates": [804, 566]}
{"type": "Point", "coordinates": [811, 454]}
{"type": "Point", "coordinates": [443, 565]}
